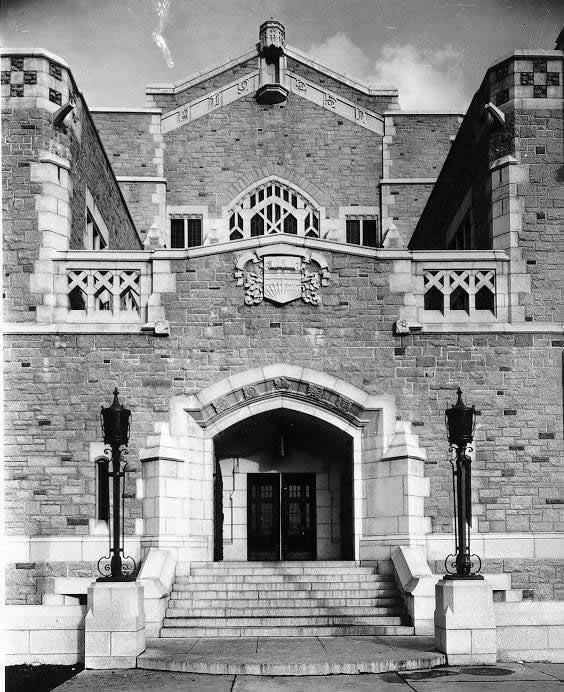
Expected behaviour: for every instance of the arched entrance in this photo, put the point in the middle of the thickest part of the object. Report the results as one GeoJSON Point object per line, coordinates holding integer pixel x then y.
{"type": "Point", "coordinates": [286, 481]}
{"type": "Point", "coordinates": [179, 462]}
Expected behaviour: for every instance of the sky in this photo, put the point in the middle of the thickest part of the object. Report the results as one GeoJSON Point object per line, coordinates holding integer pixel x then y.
{"type": "Point", "coordinates": [434, 51]}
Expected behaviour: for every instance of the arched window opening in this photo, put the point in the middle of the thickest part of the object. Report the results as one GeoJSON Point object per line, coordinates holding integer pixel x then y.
{"type": "Point", "coordinates": [273, 208]}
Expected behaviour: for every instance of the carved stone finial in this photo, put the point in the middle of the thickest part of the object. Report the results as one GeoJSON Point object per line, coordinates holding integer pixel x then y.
{"type": "Point", "coordinates": [153, 238]}
{"type": "Point", "coordinates": [272, 37]}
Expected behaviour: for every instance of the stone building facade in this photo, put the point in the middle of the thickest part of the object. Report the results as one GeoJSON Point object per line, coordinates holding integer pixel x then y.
{"type": "Point", "coordinates": [287, 277]}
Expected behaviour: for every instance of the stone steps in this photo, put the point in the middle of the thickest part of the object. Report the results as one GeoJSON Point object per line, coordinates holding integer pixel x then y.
{"type": "Point", "coordinates": [282, 603]}
{"type": "Point", "coordinates": [286, 599]}
{"type": "Point", "coordinates": [294, 631]}
{"type": "Point", "coordinates": [187, 568]}
{"type": "Point", "coordinates": [285, 578]}
{"type": "Point", "coordinates": [285, 587]}
{"type": "Point", "coordinates": [309, 611]}
{"type": "Point", "coordinates": [281, 620]}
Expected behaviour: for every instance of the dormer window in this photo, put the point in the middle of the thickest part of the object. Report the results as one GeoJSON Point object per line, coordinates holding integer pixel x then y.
{"type": "Point", "coordinates": [273, 207]}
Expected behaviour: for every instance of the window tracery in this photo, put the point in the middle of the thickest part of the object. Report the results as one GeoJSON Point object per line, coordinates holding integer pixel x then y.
{"type": "Point", "coordinates": [273, 207]}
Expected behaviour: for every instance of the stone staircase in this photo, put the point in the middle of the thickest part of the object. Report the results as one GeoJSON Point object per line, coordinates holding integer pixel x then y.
{"type": "Point", "coordinates": [283, 599]}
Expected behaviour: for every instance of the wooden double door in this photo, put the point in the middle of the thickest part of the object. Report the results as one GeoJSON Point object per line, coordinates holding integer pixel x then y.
{"type": "Point", "coordinates": [281, 516]}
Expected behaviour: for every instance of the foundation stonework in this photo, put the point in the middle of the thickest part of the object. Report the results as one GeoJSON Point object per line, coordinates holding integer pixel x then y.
{"type": "Point", "coordinates": [328, 261]}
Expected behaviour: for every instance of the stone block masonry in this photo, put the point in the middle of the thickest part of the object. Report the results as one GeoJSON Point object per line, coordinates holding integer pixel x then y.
{"type": "Point", "coordinates": [213, 335]}
{"type": "Point", "coordinates": [43, 212]}
{"type": "Point", "coordinates": [244, 142]}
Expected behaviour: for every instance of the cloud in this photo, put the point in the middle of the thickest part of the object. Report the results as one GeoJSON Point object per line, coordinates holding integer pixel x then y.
{"type": "Point", "coordinates": [426, 79]}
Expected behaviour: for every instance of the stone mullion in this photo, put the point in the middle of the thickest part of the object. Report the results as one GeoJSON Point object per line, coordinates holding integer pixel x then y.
{"type": "Point", "coordinates": [90, 294]}
{"type": "Point", "coordinates": [116, 297]}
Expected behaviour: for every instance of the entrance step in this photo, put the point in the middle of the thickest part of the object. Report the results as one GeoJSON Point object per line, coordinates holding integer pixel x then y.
{"type": "Point", "coordinates": [296, 656]}
{"type": "Point", "coordinates": [272, 630]}
{"type": "Point", "coordinates": [287, 599]}
{"type": "Point", "coordinates": [281, 611]}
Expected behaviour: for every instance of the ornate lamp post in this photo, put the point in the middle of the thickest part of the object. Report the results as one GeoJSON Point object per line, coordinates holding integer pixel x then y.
{"type": "Point", "coordinates": [460, 421]}
{"type": "Point", "coordinates": [116, 421]}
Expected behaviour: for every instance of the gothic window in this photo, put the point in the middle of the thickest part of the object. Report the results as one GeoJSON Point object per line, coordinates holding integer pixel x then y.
{"type": "Point", "coordinates": [363, 231]}
{"type": "Point", "coordinates": [273, 208]}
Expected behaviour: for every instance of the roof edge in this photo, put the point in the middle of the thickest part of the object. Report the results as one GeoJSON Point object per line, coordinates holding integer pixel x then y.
{"type": "Point", "coordinates": [294, 53]}
{"type": "Point", "coordinates": [198, 77]}
{"type": "Point", "coordinates": [368, 89]}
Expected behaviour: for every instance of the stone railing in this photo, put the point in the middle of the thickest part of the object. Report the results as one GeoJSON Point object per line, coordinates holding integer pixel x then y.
{"type": "Point", "coordinates": [109, 287]}
{"type": "Point", "coordinates": [449, 289]}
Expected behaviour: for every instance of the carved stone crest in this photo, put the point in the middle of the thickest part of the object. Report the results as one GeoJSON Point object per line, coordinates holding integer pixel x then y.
{"type": "Point", "coordinates": [281, 275]}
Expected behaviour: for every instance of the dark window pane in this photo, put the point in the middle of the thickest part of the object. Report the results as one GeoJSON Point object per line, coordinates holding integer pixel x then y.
{"type": "Point", "coordinates": [353, 231]}
{"type": "Point", "coordinates": [257, 225]}
{"type": "Point", "coordinates": [370, 233]}
{"type": "Point", "coordinates": [177, 233]}
{"type": "Point", "coordinates": [291, 224]}
{"type": "Point", "coordinates": [459, 299]}
{"type": "Point", "coordinates": [76, 299]}
{"type": "Point", "coordinates": [194, 232]}
{"type": "Point", "coordinates": [434, 299]}
{"type": "Point", "coordinates": [484, 299]}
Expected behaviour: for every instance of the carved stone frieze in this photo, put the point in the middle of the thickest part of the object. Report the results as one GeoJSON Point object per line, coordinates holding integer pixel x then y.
{"type": "Point", "coordinates": [281, 275]}
{"type": "Point", "coordinates": [287, 387]}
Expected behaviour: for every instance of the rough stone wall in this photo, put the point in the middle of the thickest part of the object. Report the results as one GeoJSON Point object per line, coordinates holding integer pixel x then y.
{"type": "Point", "coordinates": [408, 201]}
{"type": "Point", "coordinates": [24, 134]}
{"type": "Point", "coordinates": [56, 383]}
{"type": "Point", "coordinates": [129, 142]}
{"type": "Point", "coordinates": [139, 197]}
{"type": "Point", "coordinates": [91, 167]}
{"type": "Point", "coordinates": [540, 144]}
{"type": "Point", "coordinates": [420, 144]}
{"type": "Point", "coordinates": [210, 158]}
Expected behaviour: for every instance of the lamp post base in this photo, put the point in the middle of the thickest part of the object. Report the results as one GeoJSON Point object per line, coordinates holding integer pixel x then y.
{"type": "Point", "coordinates": [114, 627]}
{"type": "Point", "coordinates": [465, 577]}
{"type": "Point", "coordinates": [465, 621]}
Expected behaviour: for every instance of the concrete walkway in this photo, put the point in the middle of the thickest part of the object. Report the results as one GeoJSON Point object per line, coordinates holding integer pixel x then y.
{"type": "Point", "coordinates": [504, 677]}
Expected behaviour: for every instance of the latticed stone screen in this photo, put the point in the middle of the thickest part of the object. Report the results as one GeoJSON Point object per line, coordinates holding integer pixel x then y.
{"type": "Point", "coordinates": [460, 291]}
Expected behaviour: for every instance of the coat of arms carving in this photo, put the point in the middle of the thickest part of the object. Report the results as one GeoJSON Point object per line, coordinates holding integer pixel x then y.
{"type": "Point", "coordinates": [281, 275]}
